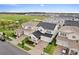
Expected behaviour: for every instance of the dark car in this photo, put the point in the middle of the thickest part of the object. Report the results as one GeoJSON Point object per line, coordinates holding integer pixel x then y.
{"type": "Point", "coordinates": [2, 38]}
{"type": "Point", "coordinates": [65, 51]}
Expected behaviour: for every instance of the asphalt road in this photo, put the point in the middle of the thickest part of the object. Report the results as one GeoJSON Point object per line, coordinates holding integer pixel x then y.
{"type": "Point", "coordinates": [8, 49]}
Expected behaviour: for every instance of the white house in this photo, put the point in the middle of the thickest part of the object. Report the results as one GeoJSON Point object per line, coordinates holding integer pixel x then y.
{"type": "Point", "coordinates": [45, 31]}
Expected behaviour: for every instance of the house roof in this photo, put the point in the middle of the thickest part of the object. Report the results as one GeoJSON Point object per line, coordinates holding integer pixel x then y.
{"type": "Point", "coordinates": [69, 29]}
{"type": "Point", "coordinates": [71, 43]}
{"type": "Point", "coordinates": [71, 23]}
{"type": "Point", "coordinates": [38, 34]}
{"type": "Point", "coordinates": [46, 25]}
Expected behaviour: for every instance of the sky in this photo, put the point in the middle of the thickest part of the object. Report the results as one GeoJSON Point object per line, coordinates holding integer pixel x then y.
{"type": "Point", "coordinates": [39, 8]}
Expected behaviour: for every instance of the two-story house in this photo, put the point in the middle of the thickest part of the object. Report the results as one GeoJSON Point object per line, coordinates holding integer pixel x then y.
{"type": "Point", "coordinates": [44, 31]}
{"type": "Point", "coordinates": [68, 37]}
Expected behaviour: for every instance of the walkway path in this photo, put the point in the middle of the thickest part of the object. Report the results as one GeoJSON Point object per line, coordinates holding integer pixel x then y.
{"type": "Point", "coordinates": [16, 41]}
{"type": "Point", "coordinates": [38, 49]}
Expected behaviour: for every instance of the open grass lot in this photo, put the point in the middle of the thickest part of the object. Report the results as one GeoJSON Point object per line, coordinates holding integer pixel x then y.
{"type": "Point", "coordinates": [10, 22]}
{"type": "Point", "coordinates": [20, 18]}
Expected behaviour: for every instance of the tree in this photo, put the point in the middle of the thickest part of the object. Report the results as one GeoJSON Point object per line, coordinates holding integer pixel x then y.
{"type": "Point", "coordinates": [23, 44]}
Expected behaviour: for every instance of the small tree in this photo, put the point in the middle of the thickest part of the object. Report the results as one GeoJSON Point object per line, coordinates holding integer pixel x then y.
{"type": "Point", "coordinates": [23, 44]}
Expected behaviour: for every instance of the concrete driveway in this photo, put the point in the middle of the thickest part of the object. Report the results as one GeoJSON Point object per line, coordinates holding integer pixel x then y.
{"type": "Point", "coordinates": [58, 50]}
{"type": "Point", "coordinates": [38, 48]}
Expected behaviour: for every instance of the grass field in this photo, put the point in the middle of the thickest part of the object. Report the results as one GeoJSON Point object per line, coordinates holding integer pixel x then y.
{"type": "Point", "coordinates": [10, 22]}
{"type": "Point", "coordinates": [21, 18]}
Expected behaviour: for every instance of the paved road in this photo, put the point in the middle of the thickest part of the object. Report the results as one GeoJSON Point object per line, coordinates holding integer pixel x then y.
{"type": "Point", "coordinates": [8, 49]}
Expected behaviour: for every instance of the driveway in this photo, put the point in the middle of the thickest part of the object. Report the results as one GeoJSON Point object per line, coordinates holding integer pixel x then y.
{"type": "Point", "coordinates": [58, 50]}
{"type": "Point", "coordinates": [8, 49]}
{"type": "Point", "coordinates": [38, 48]}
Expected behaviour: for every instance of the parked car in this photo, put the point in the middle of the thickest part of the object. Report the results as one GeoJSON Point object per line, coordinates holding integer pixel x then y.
{"type": "Point", "coordinates": [65, 51]}
{"type": "Point", "coordinates": [2, 38]}
{"type": "Point", "coordinates": [73, 52]}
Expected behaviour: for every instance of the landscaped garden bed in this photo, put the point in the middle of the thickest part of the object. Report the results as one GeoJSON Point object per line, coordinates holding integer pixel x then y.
{"type": "Point", "coordinates": [24, 47]}
{"type": "Point", "coordinates": [27, 41]}
{"type": "Point", "coordinates": [50, 48]}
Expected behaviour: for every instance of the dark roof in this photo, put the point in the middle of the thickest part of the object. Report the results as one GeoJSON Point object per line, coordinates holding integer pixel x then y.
{"type": "Point", "coordinates": [71, 23]}
{"type": "Point", "coordinates": [46, 25]}
{"type": "Point", "coordinates": [38, 34]}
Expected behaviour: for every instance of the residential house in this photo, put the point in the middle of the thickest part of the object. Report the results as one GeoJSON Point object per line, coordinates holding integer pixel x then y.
{"type": "Point", "coordinates": [44, 31]}
{"type": "Point", "coordinates": [25, 29]}
{"type": "Point", "coordinates": [68, 38]}
{"type": "Point", "coordinates": [19, 32]}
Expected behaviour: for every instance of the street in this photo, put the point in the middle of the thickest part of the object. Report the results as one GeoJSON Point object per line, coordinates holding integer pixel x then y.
{"type": "Point", "coordinates": [8, 49]}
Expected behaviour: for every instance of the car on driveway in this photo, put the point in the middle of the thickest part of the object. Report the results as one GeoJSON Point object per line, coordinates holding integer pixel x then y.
{"type": "Point", "coordinates": [65, 51]}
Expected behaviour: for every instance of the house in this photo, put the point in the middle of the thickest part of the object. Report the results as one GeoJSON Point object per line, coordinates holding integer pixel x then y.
{"type": "Point", "coordinates": [44, 31]}
{"type": "Point", "coordinates": [19, 32]}
{"type": "Point", "coordinates": [68, 37]}
{"type": "Point", "coordinates": [26, 29]}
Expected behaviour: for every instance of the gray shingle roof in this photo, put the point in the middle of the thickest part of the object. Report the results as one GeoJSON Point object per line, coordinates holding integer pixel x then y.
{"type": "Point", "coordinates": [38, 34]}
{"type": "Point", "coordinates": [71, 23]}
{"type": "Point", "coordinates": [46, 25]}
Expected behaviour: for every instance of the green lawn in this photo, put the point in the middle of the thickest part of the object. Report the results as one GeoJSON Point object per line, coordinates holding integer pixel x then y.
{"type": "Point", "coordinates": [10, 22]}
{"type": "Point", "coordinates": [50, 48]}
{"type": "Point", "coordinates": [24, 47]}
{"type": "Point", "coordinates": [7, 32]}
{"type": "Point", "coordinates": [21, 18]}
{"type": "Point", "coordinates": [27, 41]}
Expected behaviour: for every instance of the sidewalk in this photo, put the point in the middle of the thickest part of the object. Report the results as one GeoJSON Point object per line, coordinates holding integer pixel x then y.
{"type": "Point", "coordinates": [16, 41]}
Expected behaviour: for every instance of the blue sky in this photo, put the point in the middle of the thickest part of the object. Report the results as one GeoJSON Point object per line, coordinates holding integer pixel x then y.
{"type": "Point", "coordinates": [39, 7]}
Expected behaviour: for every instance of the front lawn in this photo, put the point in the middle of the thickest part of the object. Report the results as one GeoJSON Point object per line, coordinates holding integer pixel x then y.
{"type": "Point", "coordinates": [24, 47]}
{"type": "Point", "coordinates": [50, 48]}
{"type": "Point", "coordinates": [27, 41]}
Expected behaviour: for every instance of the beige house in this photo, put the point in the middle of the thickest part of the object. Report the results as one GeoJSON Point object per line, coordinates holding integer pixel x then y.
{"type": "Point", "coordinates": [19, 32]}
{"type": "Point", "coordinates": [68, 37]}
